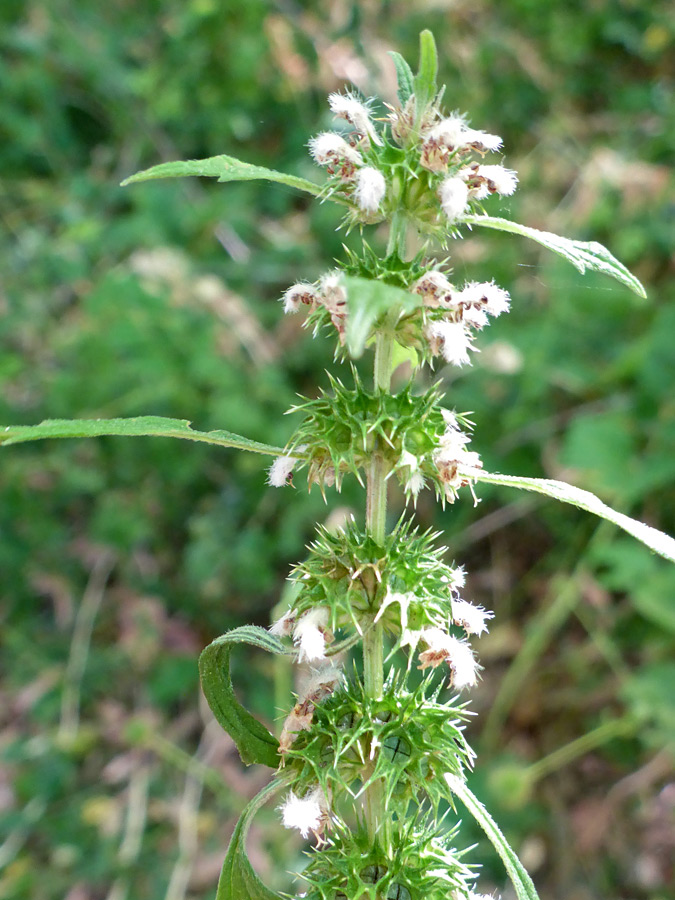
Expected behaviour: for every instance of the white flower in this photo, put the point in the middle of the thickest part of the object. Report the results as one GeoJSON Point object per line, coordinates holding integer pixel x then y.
{"type": "Point", "coordinates": [328, 147]}
{"type": "Point", "coordinates": [297, 294]}
{"type": "Point", "coordinates": [458, 577]}
{"type": "Point", "coordinates": [499, 180]}
{"type": "Point", "coordinates": [485, 294]}
{"type": "Point", "coordinates": [457, 653]}
{"type": "Point", "coordinates": [454, 196]}
{"type": "Point", "coordinates": [451, 339]}
{"type": "Point", "coordinates": [308, 813]}
{"type": "Point", "coordinates": [284, 626]}
{"type": "Point", "coordinates": [370, 188]}
{"type": "Point", "coordinates": [281, 469]}
{"type": "Point", "coordinates": [469, 617]}
{"type": "Point", "coordinates": [434, 288]}
{"type": "Point", "coordinates": [310, 634]}
{"type": "Point", "coordinates": [332, 294]}
{"type": "Point", "coordinates": [450, 133]}
{"type": "Point", "coordinates": [346, 106]}
{"type": "Point", "coordinates": [480, 140]}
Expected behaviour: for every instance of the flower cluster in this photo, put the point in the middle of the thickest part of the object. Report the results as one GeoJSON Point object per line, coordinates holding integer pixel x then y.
{"type": "Point", "coordinates": [427, 167]}
{"type": "Point", "coordinates": [419, 441]}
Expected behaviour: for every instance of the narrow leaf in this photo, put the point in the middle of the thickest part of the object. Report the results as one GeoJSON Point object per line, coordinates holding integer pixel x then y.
{"type": "Point", "coordinates": [404, 76]}
{"type": "Point", "coordinates": [425, 80]}
{"type": "Point", "coordinates": [656, 540]}
{"type": "Point", "coordinates": [224, 168]}
{"type": "Point", "coordinates": [141, 426]}
{"type": "Point", "coordinates": [254, 742]}
{"type": "Point", "coordinates": [367, 301]}
{"type": "Point", "coordinates": [238, 880]}
{"type": "Point", "coordinates": [521, 881]}
{"type": "Point", "coordinates": [582, 254]}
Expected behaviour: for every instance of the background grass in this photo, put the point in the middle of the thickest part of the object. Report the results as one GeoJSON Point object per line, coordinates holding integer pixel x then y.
{"type": "Point", "coordinates": [121, 559]}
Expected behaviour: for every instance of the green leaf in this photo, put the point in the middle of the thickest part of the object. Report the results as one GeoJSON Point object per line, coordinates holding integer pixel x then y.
{"type": "Point", "coordinates": [141, 426]}
{"type": "Point", "coordinates": [367, 301]}
{"type": "Point", "coordinates": [425, 80]}
{"type": "Point", "coordinates": [254, 742]}
{"type": "Point", "coordinates": [582, 254]}
{"type": "Point", "coordinates": [238, 880]}
{"type": "Point", "coordinates": [521, 881]}
{"type": "Point", "coordinates": [224, 168]}
{"type": "Point", "coordinates": [656, 540]}
{"type": "Point", "coordinates": [404, 77]}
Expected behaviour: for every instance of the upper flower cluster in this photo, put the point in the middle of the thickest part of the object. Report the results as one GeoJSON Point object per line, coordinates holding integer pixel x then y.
{"type": "Point", "coordinates": [425, 166]}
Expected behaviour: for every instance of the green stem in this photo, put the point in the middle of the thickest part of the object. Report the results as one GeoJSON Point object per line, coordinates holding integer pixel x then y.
{"type": "Point", "coordinates": [604, 733]}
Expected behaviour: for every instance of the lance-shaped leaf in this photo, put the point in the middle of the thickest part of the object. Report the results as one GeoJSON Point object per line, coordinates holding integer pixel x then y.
{"type": "Point", "coordinates": [140, 426]}
{"type": "Point", "coordinates": [367, 301]}
{"type": "Point", "coordinates": [521, 881]}
{"type": "Point", "coordinates": [254, 742]}
{"type": "Point", "coordinates": [404, 77]}
{"type": "Point", "coordinates": [656, 540]}
{"type": "Point", "coordinates": [582, 254]}
{"type": "Point", "coordinates": [238, 880]}
{"type": "Point", "coordinates": [424, 82]}
{"type": "Point", "coordinates": [224, 168]}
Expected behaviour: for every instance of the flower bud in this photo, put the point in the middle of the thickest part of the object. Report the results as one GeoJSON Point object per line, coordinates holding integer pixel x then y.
{"type": "Point", "coordinates": [370, 189]}
{"type": "Point", "coordinates": [454, 196]}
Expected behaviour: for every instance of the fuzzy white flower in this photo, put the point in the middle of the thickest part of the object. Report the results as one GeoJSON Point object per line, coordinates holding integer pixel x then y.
{"type": "Point", "coordinates": [500, 180]}
{"type": "Point", "coordinates": [306, 813]}
{"type": "Point", "coordinates": [414, 485]}
{"type": "Point", "coordinates": [280, 470]}
{"type": "Point", "coordinates": [329, 147]}
{"type": "Point", "coordinates": [450, 420]}
{"type": "Point", "coordinates": [434, 288]}
{"type": "Point", "coordinates": [481, 141]}
{"type": "Point", "coordinates": [347, 106]}
{"type": "Point", "coordinates": [458, 577]}
{"type": "Point", "coordinates": [450, 132]}
{"type": "Point", "coordinates": [454, 195]}
{"type": "Point", "coordinates": [310, 634]}
{"type": "Point", "coordinates": [451, 339]}
{"type": "Point", "coordinates": [457, 653]}
{"type": "Point", "coordinates": [469, 617]}
{"type": "Point", "coordinates": [331, 292]}
{"type": "Point", "coordinates": [303, 292]}
{"type": "Point", "coordinates": [370, 188]}
{"type": "Point", "coordinates": [485, 295]}
{"type": "Point", "coordinates": [283, 627]}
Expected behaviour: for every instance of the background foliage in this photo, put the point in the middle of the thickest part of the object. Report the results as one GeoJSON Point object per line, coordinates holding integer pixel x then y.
{"type": "Point", "coordinates": [121, 559]}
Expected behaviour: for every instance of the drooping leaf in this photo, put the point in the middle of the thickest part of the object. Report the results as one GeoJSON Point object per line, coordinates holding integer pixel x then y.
{"type": "Point", "coordinates": [525, 889]}
{"type": "Point", "coordinates": [254, 742]}
{"type": "Point", "coordinates": [404, 76]}
{"type": "Point", "coordinates": [424, 82]}
{"type": "Point", "coordinates": [582, 254]}
{"type": "Point", "coordinates": [656, 540]}
{"type": "Point", "coordinates": [238, 880]}
{"type": "Point", "coordinates": [140, 426]}
{"type": "Point", "coordinates": [368, 300]}
{"type": "Point", "coordinates": [224, 168]}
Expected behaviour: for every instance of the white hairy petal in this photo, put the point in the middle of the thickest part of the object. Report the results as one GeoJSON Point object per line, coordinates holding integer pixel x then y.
{"type": "Point", "coordinates": [303, 813]}
{"type": "Point", "coordinates": [454, 196]}
{"type": "Point", "coordinates": [499, 179]}
{"type": "Point", "coordinates": [455, 341]}
{"type": "Point", "coordinates": [328, 147]}
{"type": "Point", "coordinates": [280, 469]}
{"type": "Point", "coordinates": [480, 140]}
{"type": "Point", "coordinates": [458, 655]}
{"type": "Point", "coordinates": [303, 292]}
{"type": "Point", "coordinates": [283, 627]}
{"type": "Point", "coordinates": [346, 106]}
{"type": "Point", "coordinates": [309, 634]}
{"type": "Point", "coordinates": [471, 618]}
{"type": "Point", "coordinates": [370, 188]}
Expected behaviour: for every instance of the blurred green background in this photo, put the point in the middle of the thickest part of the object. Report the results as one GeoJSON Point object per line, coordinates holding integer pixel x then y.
{"type": "Point", "coordinates": [120, 559]}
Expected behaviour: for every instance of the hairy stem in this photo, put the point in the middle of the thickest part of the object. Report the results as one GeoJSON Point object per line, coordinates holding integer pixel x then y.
{"type": "Point", "coordinates": [376, 514]}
